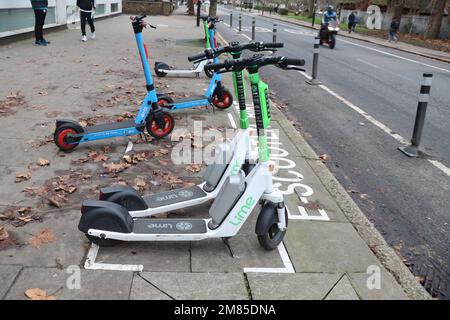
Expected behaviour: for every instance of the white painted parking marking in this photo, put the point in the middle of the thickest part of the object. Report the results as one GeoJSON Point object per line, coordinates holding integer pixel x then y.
{"type": "Point", "coordinates": [288, 266]}
{"type": "Point", "coordinates": [396, 56]}
{"type": "Point", "coordinates": [440, 166]}
{"type": "Point", "coordinates": [233, 123]}
{"type": "Point", "coordinates": [92, 265]}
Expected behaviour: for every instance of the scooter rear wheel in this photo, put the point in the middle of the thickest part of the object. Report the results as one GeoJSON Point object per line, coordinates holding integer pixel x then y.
{"type": "Point", "coordinates": [225, 102]}
{"type": "Point", "coordinates": [161, 66]}
{"type": "Point", "coordinates": [273, 237]}
{"type": "Point", "coordinates": [61, 133]}
{"type": "Point", "coordinates": [160, 131]}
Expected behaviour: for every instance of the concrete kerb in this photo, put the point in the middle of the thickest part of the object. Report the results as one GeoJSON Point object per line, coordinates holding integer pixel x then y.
{"type": "Point", "coordinates": [387, 256]}
{"type": "Point", "coordinates": [362, 39]}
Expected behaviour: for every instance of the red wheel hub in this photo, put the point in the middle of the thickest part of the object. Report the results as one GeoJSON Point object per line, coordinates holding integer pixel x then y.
{"type": "Point", "coordinates": [221, 103]}
{"type": "Point", "coordinates": [61, 137]}
{"type": "Point", "coordinates": [161, 132]}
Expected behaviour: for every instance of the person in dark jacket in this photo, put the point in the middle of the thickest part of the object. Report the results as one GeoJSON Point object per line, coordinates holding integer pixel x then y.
{"type": "Point", "coordinates": [40, 8]}
{"type": "Point", "coordinates": [87, 8]}
{"type": "Point", "coordinates": [351, 22]}
{"type": "Point", "coordinates": [393, 30]}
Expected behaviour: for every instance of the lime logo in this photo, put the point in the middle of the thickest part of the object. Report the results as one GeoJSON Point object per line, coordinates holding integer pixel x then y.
{"type": "Point", "coordinates": [236, 166]}
{"type": "Point", "coordinates": [243, 211]}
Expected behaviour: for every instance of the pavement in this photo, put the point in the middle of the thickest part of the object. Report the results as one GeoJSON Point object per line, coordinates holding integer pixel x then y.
{"type": "Point", "coordinates": [331, 250]}
{"type": "Point", "coordinates": [401, 46]}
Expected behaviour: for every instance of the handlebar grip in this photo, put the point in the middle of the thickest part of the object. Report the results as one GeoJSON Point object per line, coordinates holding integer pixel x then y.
{"type": "Point", "coordinates": [197, 56]}
{"type": "Point", "coordinates": [295, 62]}
{"type": "Point", "coordinates": [215, 66]}
{"type": "Point", "coordinates": [274, 45]}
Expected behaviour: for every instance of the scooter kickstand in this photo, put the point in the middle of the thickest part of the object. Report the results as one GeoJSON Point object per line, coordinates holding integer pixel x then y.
{"type": "Point", "coordinates": [226, 241]}
{"type": "Point", "coordinates": [145, 137]}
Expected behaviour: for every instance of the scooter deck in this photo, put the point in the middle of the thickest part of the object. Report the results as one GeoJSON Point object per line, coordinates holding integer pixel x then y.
{"type": "Point", "coordinates": [174, 196]}
{"type": "Point", "coordinates": [169, 226]}
{"type": "Point", "coordinates": [194, 98]}
{"type": "Point", "coordinates": [110, 126]}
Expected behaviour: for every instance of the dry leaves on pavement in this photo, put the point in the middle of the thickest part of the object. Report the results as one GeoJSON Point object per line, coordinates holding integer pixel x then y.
{"type": "Point", "coordinates": [13, 100]}
{"type": "Point", "coordinates": [43, 162]}
{"type": "Point", "coordinates": [38, 294]}
{"type": "Point", "coordinates": [193, 167]}
{"type": "Point", "coordinates": [22, 176]}
{"type": "Point", "coordinates": [42, 237]}
{"type": "Point", "coordinates": [18, 216]}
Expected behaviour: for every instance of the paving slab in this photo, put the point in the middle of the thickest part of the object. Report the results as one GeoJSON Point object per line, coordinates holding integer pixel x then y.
{"type": "Point", "coordinates": [343, 290]}
{"type": "Point", "coordinates": [298, 286]}
{"type": "Point", "coordinates": [7, 276]}
{"type": "Point", "coordinates": [67, 248]}
{"type": "Point", "coordinates": [190, 286]}
{"type": "Point", "coordinates": [389, 288]}
{"type": "Point", "coordinates": [107, 285]}
{"type": "Point", "coordinates": [327, 247]}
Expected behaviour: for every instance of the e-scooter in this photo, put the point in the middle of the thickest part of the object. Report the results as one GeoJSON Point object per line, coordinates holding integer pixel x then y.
{"type": "Point", "coordinates": [159, 123]}
{"type": "Point", "coordinates": [230, 156]}
{"type": "Point", "coordinates": [162, 69]}
{"type": "Point", "coordinates": [107, 223]}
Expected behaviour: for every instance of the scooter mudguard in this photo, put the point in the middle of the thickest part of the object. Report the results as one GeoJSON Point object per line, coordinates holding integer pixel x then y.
{"type": "Point", "coordinates": [105, 215]}
{"type": "Point", "coordinates": [127, 197]}
{"type": "Point", "coordinates": [60, 122]}
{"type": "Point", "coordinates": [267, 217]}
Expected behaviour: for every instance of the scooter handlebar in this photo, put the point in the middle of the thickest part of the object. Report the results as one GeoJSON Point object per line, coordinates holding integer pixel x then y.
{"type": "Point", "coordinates": [197, 56]}
{"type": "Point", "coordinates": [294, 62]}
{"type": "Point", "coordinates": [274, 45]}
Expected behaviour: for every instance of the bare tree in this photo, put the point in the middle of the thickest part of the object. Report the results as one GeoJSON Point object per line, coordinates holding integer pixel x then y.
{"type": "Point", "coordinates": [395, 7]}
{"type": "Point", "coordinates": [437, 13]}
{"type": "Point", "coordinates": [190, 5]}
{"type": "Point", "coordinates": [213, 8]}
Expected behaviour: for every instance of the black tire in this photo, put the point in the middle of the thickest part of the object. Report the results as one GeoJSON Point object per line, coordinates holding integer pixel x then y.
{"type": "Point", "coordinates": [164, 100]}
{"type": "Point", "coordinates": [161, 65]}
{"type": "Point", "coordinates": [99, 224]}
{"type": "Point", "coordinates": [157, 132]}
{"type": "Point", "coordinates": [248, 167]}
{"type": "Point", "coordinates": [272, 238]}
{"type": "Point", "coordinates": [61, 132]}
{"type": "Point", "coordinates": [209, 73]}
{"type": "Point", "coordinates": [227, 99]}
{"type": "Point", "coordinates": [332, 41]}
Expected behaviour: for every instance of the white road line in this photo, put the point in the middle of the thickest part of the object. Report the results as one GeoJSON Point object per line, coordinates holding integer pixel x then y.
{"type": "Point", "coordinates": [369, 64]}
{"type": "Point", "coordinates": [396, 56]}
{"type": "Point", "coordinates": [226, 24]}
{"type": "Point", "coordinates": [246, 36]}
{"type": "Point", "coordinates": [377, 123]}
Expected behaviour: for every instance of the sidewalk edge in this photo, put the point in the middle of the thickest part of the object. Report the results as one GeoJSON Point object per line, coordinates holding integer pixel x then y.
{"type": "Point", "coordinates": [386, 255]}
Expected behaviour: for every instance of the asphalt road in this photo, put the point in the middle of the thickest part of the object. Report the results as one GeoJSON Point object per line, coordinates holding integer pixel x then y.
{"type": "Point", "coordinates": [408, 200]}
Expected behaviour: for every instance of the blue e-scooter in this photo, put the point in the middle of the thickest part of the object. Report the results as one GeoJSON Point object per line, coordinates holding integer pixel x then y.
{"type": "Point", "coordinates": [158, 122]}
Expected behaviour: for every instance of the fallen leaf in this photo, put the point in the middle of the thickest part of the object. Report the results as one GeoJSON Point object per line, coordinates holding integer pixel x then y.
{"type": "Point", "coordinates": [43, 236]}
{"type": "Point", "coordinates": [193, 168]}
{"type": "Point", "coordinates": [324, 157]}
{"type": "Point", "coordinates": [43, 162]}
{"type": "Point", "coordinates": [161, 152]}
{"type": "Point", "coordinates": [43, 93]}
{"type": "Point", "coordinates": [163, 163]}
{"type": "Point", "coordinates": [38, 294]}
{"type": "Point", "coordinates": [57, 200]}
{"type": "Point", "coordinates": [3, 234]}
{"type": "Point", "coordinates": [22, 176]}
{"type": "Point", "coordinates": [139, 184]}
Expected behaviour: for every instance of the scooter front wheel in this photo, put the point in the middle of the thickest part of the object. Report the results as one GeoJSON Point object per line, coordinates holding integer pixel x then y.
{"type": "Point", "coordinates": [273, 236]}
{"type": "Point", "coordinates": [160, 125]}
{"type": "Point", "coordinates": [209, 73]}
{"type": "Point", "coordinates": [61, 133]}
{"type": "Point", "coordinates": [225, 102]}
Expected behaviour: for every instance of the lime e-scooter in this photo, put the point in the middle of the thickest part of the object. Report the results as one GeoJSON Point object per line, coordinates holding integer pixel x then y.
{"type": "Point", "coordinates": [162, 69]}
{"type": "Point", "coordinates": [107, 223]}
{"type": "Point", "coordinates": [230, 157]}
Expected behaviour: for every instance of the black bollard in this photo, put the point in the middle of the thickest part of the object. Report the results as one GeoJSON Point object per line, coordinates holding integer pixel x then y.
{"type": "Point", "coordinates": [253, 28]}
{"type": "Point", "coordinates": [240, 22]}
{"type": "Point", "coordinates": [274, 38]}
{"type": "Point", "coordinates": [231, 20]}
{"type": "Point", "coordinates": [424, 97]}
{"type": "Point", "coordinates": [314, 81]}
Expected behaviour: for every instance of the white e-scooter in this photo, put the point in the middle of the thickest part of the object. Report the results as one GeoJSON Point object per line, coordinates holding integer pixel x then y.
{"type": "Point", "coordinates": [107, 223]}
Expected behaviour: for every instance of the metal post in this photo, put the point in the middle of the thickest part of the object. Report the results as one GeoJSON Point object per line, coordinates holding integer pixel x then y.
{"type": "Point", "coordinates": [231, 20]}
{"type": "Point", "coordinates": [274, 38]}
{"type": "Point", "coordinates": [199, 3]}
{"type": "Point", "coordinates": [253, 28]}
{"type": "Point", "coordinates": [314, 14]}
{"type": "Point", "coordinates": [240, 22]}
{"type": "Point", "coordinates": [314, 80]}
{"type": "Point", "coordinates": [424, 97]}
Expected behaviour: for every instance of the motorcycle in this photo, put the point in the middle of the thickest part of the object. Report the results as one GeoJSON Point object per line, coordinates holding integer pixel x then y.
{"type": "Point", "coordinates": [328, 33]}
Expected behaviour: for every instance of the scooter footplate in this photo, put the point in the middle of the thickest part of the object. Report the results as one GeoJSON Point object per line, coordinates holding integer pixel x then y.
{"type": "Point", "coordinates": [194, 98]}
{"type": "Point", "coordinates": [110, 126]}
{"type": "Point", "coordinates": [174, 196]}
{"type": "Point", "coordinates": [169, 226]}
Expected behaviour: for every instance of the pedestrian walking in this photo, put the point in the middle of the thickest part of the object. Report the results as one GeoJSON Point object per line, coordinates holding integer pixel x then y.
{"type": "Point", "coordinates": [87, 10]}
{"type": "Point", "coordinates": [393, 30]}
{"type": "Point", "coordinates": [351, 22]}
{"type": "Point", "coordinates": [357, 19]}
{"type": "Point", "coordinates": [40, 8]}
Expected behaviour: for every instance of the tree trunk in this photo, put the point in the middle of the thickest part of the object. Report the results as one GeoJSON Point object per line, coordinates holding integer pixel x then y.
{"type": "Point", "coordinates": [311, 8]}
{"type": "Point", "coordinates": [190, 5]}
{"type": "Point", "coordinates": [395, 7]}
{"type": "Point", "coordinates": [213, 8]}
{"type": "Point", "coordinates": [437, 13]}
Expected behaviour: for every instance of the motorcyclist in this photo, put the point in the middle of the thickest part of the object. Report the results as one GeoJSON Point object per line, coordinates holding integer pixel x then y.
{"type": "Point", "coordinates": [328, 15]}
